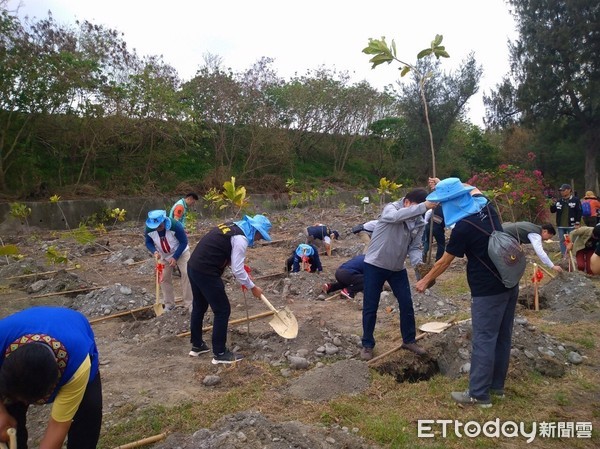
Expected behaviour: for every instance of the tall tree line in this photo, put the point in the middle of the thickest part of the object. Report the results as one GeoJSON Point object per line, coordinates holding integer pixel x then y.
{"type": "Point", "coordinates": [79, 108]}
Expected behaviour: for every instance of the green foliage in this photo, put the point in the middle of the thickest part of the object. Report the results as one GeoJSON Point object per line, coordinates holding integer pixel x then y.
{"type": "Point", "coordinates": [231, 196]}
{"type": "Point", "coordinates": [386, 187]}
{"type": "Point", "coordinates": [83, 235]}
{"type": "Point", "coordinates": [517, 193]}
{"type": "Point", "coordinates": [9, 250]}
{"type": "Point", "coordinates": [191, 218]}
{"type": "Point", "coordinates": [20, 211]}
{"type": "Point", "coordinates": [55, 256]}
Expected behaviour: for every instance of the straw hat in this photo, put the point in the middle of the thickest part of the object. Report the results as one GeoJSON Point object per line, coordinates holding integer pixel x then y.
{"type": "Point", "coordinates": [589, 195]}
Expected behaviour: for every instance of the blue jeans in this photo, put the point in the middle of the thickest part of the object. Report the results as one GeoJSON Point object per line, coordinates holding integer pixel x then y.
{"type": "Point", "coordinates": [374, 279]}
{"type": "Point", "coordinates": [561, 238]}
{"type": "Point", "coordinates": [209, 290]}
{"type": "Point", "coordinates": [492, 318]}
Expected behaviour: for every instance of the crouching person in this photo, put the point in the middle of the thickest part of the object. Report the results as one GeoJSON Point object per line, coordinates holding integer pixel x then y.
{"type": "Point", "coordinates": [49, 355]}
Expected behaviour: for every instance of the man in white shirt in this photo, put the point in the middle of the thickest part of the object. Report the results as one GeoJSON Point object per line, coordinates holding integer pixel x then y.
{"type": "Point", "coordinates": [526, 232]}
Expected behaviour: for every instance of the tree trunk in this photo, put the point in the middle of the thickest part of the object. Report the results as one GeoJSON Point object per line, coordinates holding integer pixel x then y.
{"type": "Point", "coordinates": [591, 153]}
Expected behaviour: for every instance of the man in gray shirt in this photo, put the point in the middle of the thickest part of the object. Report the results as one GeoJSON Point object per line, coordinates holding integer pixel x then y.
{"type": "Point", "coordinates": [397, 234]}
{"type": "Point", "coordinates": [526, 232]}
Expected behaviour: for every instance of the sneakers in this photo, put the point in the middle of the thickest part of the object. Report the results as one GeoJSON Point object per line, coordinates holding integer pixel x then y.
{"type": "Point", "coordinates": [413, 347]}
{"type": "Point", "coordinates": [346, 294]}
{"type": "Point", "coordinates": [463, 397]}
{"type": "Point", "coordinates": [366, 353]}
{"type": "Point", "coordinates": [227, 357]}
{"type": "Point", "coordinates": [197, 350]}
{"type": "Point", "coordinates": [325, 288]}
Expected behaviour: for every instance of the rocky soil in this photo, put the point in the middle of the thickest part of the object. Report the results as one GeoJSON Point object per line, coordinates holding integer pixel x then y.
{"type": "Point", "coordinates": [144, 358]}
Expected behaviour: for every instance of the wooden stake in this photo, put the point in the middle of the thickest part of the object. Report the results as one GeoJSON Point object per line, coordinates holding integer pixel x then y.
{"type": "Point", "coordinates": [43, 273]}
{"type": "Point", "coordinates": [143, 442]}
{"type": "Point", "coordinates": [547, 272]}
{"type": "Point", "coordinates": [536, 297]}
{"type": "Point", "coordinates": [332, 296]}
{"type": "Point", "coordinates": [391, 351]}
{"type": "Point", "coordinates": [87, 289]}
{"type": "Point", "coordinates": [232, 322]}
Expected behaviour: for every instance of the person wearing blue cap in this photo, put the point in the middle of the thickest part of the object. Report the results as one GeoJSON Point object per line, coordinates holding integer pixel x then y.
{"type": "Point", "coordinates": [223, 245]}
{"type": "Point", "coordinates": [568, 214]}
{"type": "Point", "coordinates": [167, 241]}
{"type": "Point", "coordinates": [492, 304]}
{"type": "Point", "coordinates": [301, 253]}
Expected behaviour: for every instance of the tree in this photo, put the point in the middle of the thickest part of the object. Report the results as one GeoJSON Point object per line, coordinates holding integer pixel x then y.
{"type": "Point", "coordinates": [554, 82]}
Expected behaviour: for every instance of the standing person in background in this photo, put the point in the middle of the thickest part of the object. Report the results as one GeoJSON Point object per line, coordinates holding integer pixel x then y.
{"type": "Point", "coordinates": [223, 245]}
{"type": "Point", "coordinates": [398, 234]}
{"type": "Point", "coordinates": [526, 232]}
{"type": "Point", "coordinates": [568, 214]}
{"type": "Point", "coordinates": [181, 207]}
{"type": "Point", "coordinates": [48, 355]}
{"type": "Point", "coordinates": [492, 304]}
{"type": "Point", "coordinates": [321, 233]}
{"type": "Point", "coordinates": [167, 241]}
{"type": "Point", "coordinates": [590, 207]}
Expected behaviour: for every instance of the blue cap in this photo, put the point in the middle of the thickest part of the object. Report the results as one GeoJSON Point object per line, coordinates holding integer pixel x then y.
{"type": "Point", "coordinates": [156, 217]}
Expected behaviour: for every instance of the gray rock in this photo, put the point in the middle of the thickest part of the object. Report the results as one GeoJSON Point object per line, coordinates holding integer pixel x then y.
{"type": "Point", "coordinates": [38, 285]}
{"type": "Point", "coordinates": [529, 354]}
{"type": "Point", "coordinates": [574, 358]}
{"type": "Point", "coordinates": [521, 320]}
{"type": "Point", "coordinates": [298, 362]}
{"type": "Point", "coordinates": [331, 349]}
{"type": "Point", "coordinates": [465, 368]}
{"type": "Point", "coordinates": [211, 380]}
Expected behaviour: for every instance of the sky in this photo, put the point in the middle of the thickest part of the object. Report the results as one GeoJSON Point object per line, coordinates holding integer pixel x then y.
{"type": "Point", "coordinates": [301, 36]}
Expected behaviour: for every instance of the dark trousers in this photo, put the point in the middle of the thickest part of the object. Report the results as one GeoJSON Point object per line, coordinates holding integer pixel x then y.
{"type": "Point", "coordinates": [350, 280]}
{"type": "Point", "coordinates": [375, 277]}
{"type": "Point", "coordinates": [492, 318]}
{"type": "Point", "coordinates": [209, 290]}
{"type": "Point", "coordinates": [440, 239]}
{"type": "Point", "coordinates": [85, 429]}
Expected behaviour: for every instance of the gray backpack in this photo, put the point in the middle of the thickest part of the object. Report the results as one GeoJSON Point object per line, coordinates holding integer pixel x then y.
{"type": "Point", "coordinates": [506, 254]}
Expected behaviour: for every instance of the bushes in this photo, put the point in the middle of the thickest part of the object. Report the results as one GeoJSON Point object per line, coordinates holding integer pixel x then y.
{"type": "Point", "coordinates": [517, 193]}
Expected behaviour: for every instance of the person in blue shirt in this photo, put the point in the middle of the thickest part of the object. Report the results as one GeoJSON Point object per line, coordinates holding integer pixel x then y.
{"type": "Point", "coordinates": [48, 355]}
{"type": "Point", "coordinates": [310, 252]}
{"type": "Point", "coordinates": [349, 277]}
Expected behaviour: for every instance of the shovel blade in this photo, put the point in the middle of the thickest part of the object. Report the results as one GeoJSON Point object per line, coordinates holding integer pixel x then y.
{"type": "Point", "coordinates": [435, 327]}
{"type": "Point", "coordinates": [159, 309]}
{"type": "Point", "coordinates": [284, 323]}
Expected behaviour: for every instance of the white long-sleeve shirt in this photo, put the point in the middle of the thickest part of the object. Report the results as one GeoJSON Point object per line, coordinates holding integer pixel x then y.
{"type": "Point", "coordinates": [536, 242]}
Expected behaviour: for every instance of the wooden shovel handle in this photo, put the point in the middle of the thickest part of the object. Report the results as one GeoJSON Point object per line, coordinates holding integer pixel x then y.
{"type": "Point", "coordinates": [269, 305]}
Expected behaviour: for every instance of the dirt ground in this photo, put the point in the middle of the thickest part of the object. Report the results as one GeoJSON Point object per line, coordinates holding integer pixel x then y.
{"type": "Point", "coordinates": [145, 362]}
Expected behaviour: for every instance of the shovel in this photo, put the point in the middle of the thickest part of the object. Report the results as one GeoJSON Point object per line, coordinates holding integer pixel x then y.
{"type": "Point", "coordinates": [12, 439]}
{"type": "Point", "coordinates": [283, 322]}
{"type": "Point", "coordinates": [436, 327]}
{"type": "Point", "coordinates": [158, 306]}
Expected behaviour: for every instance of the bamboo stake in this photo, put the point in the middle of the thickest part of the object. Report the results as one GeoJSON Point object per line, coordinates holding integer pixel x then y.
{"type": "Point", "coordinates": [391, 351]}
{"type": "Point", "coordinates": [547, 272]}
{"type": "Point", "coordinates": [143, 442]}
{"type": "Point", "coordinates": [232, 322]}
{"type": "Point", "coordinates": [332, 296]}
{"type": "Point", "coordinates": [40, 274]}
{"type": "Point", "coordinates": [127, 312]}
{"type": "Point", "coordinates": [536, 295]}
{"type": "Point", "coordinates": [116, 315]}
{"type": "Point", "coordinates": [67, 291]}
{"type": "Point", "coordinates": [266, 276]}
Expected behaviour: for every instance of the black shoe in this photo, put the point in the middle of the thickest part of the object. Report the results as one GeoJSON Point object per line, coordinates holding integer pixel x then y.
{"type": "Point", "coordinates": [196, 351]}
{"type": "Point", "coordinates": [227, 357]}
